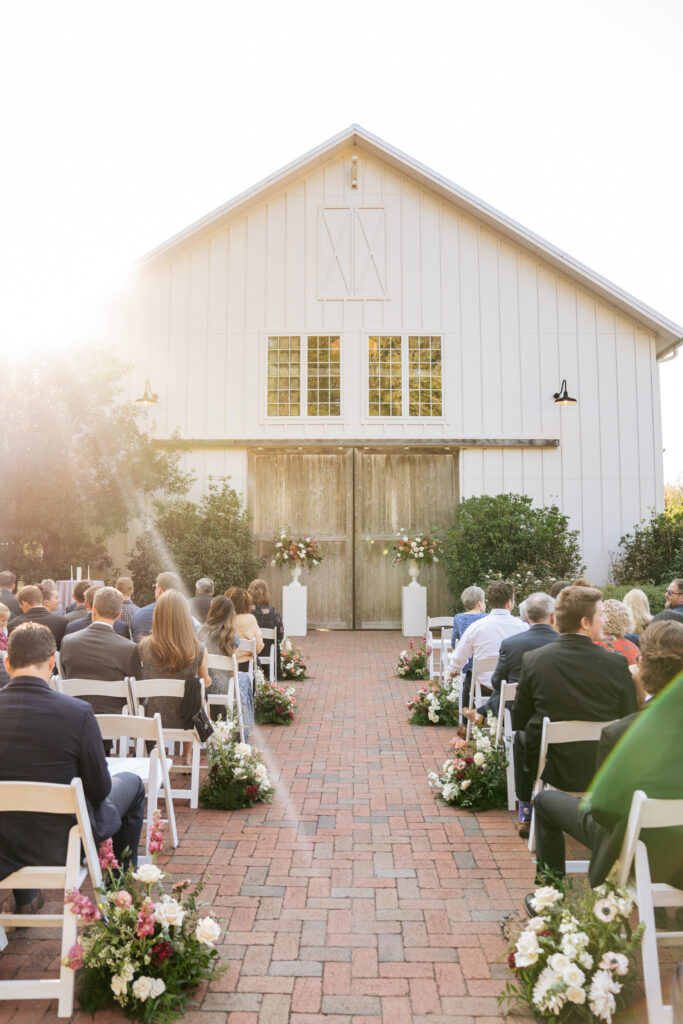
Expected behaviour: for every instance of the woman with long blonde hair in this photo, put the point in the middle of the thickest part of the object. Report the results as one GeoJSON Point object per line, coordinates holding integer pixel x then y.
{"type": "Point", "coordinates": [637, 603]}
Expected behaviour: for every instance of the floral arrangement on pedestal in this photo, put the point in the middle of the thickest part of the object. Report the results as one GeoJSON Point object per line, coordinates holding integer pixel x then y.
{"type": "Point", "coordinates": [423, 548]}
{"type": "Point", "coordinates": [292, 664]}
{"type": "Point", "coordinates": [141, 949]}
{"type": "Point", "coordinates": [576, 960]}
{"type": "Point", "coordinates": [414, 665]}
{"type": "Point", "coordinates": [301, 551]}
{"type": "Point", "coordinates": [475, 775]}
{"type": "Point", "coordinates": [434, 705]}
{"type": "Point", "coordinates": [237, 776]}
{"type": "Point", "coordinates": [273, 704]}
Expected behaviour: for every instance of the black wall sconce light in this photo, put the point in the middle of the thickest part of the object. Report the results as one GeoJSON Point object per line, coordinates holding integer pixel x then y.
{"type": "Point", "coordinates": [561, 397]}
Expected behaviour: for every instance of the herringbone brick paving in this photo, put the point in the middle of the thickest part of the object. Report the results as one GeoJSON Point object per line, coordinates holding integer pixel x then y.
{"type": "Point", "coordinates": [354, 898]}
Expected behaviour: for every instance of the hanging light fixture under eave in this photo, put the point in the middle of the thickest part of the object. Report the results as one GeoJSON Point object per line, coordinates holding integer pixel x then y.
{"type": "Point", "coordinates": [149, 397]}
{"type": "Point", "coordinates": [561, 397]}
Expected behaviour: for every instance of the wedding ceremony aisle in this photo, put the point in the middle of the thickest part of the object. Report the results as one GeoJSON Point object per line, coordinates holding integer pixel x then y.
{"type": "Point", "coordinates": [355, 897]}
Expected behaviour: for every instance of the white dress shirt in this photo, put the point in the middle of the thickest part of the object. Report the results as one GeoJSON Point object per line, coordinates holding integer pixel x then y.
{"type": "Point", "coordinates": [483, 639]}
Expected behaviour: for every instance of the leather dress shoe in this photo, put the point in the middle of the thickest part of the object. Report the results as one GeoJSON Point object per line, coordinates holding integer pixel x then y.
{"type": "Point", "coordinates": [34, 906]}
{"type": "Point", "coordinates": [473, 715]}
{"type": "Point", "coordinates": [528, 906]}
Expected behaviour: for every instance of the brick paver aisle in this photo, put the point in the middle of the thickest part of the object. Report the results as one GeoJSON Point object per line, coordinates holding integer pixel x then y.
{"type": "Point", "coordinates": [355, 898]}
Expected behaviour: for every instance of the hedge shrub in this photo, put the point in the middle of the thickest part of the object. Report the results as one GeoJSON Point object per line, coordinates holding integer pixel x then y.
{"type": "Point", "coordinates": [653, 552]}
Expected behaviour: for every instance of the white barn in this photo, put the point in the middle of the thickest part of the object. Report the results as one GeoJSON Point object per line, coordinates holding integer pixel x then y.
{"type": "Point", "coordinates": [360, 344]}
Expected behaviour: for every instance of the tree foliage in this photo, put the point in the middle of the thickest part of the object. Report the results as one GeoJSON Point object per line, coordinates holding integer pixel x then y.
{"type": "Point", "coordinates": [504, 534]}
{"type": "Point", "coordinates": [75, 464]}
{"type": "Point", "coordinates": [210, 538]}
{"type": "Point", "coordinates": [653, 552]}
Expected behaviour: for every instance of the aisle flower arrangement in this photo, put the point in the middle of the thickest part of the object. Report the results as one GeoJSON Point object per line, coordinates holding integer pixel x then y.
{"type": "Point", "coordinates": [237, 776]}
{"type": "Point", "coordinates": [273, 704]}
{"type": "Point", "coordinates": [292, 665]}
{"type": "Point", "coordinates": [289, 550]}
{"type": "Point", "coordinates": [414, 665]}
{"type": "Point", "coordinates": [424, 548]}
{"type": "Point", "coordinates": [576, 960]}
{"type": "Point", "coordinates": [474, 776]}
{"type": "Point", "coordinates": [434, 705]}
{"type": "Point", "coordinates": [141, 949]}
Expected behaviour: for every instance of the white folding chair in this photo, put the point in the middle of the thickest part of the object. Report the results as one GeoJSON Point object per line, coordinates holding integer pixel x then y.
{"type": "Point", "coordinates": [228, 700]}
{"type": "Point", "coordinates": [141, 689]}
{"type": "Point", "coordinates": [153, 770]}
{"type": "Point", "coordinates": [58, 663]}
{"type": "Point", "coordinates": [650, 813]}
{"type": "Point", "coordinates": [248, 647]}
{"type": "Point", "coordinates": [505, 732]}
{"type": "Point", "coordinates": [85, 688]}
{"type": "Point", "coordinates": [480, 667]}
{"type": "Point", "coordinates": [436, 642]}
{"type": "Point", "coordinates": [562, 732]}
{"type": "Point", "coordinates": [269, 659]}
{"type": "Point", "coordinates": [50, 798]}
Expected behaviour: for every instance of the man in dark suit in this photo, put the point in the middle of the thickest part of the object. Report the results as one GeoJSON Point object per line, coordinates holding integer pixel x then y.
{"type": "Point", "coordinates": [84, 622]}
{"type": "Point", "coordinates": [48, 737]}
{"type": "Point", "coordinates": [540, 614]}
{"type": "Point", "coordinates": [201, 602]}
{"type": "Point", "coordinates": [32, 610]}
{"type": "Point", "coordinates": [8, 583]}
{"type": "Point", "coordinates": [97, 652]}
{"type": "Point", "coordinates": [569, 679]}
{"type": "Point", "coordinates": [78, 610]}
{"type": "Point", "coordinates": [599, 821]}
{"type": "Point", "coordinates": [141, 623]}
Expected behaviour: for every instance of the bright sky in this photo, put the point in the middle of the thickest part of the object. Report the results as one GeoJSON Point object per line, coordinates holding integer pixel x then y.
{"type": "Point", "coordinates": [124, 122]}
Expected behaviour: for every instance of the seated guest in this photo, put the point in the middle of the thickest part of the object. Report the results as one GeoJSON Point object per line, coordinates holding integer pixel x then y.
{"type": "Point", "coordinates": [568, 680]}
{"type": "Point", "coordinates": [83, 623]}
{"type": "Point", "coordinates": [617, 623]}
{"type": "Point", "coordinates": [172, 651]}
{"type": "Point", "coordinates": [637, 603]}
{"type": "Point", "coordinates": [245, 623]}
{"type": "Point", "coordinates": [8, 584]}
{"type": "Point", "coordinates": [4, 619]}
{"type": "Point", "coordinates": [220, 637]}
{"type": "Point", "coordinates": [482, 639]}
{"type": "Point", "coordinates": [98, 652]}
{"type": "Point", "coordinates": [673, 606]}
{"type": "Point", "coordinates": [49, 737]}
{"type": "Point", "coordinates": [474, 602]}
{"type": "Point", "coordinates": [51, 598]}
{"type": "Point", "coordinates": [141, 623]}
{"type": "Point", "coordinates": [541, 616]}
{"type": "Point", "coordinates": [267, 617]}
{"type": "Point", "coordinates": [641, 751]}
{"type": "Point", "coordinates": [124, 585]}
{"type": "Point", "coordinates": [32, 610]}
{"type": "Point", "coordinates": [557, 586]}
{"type": "Point", "coordinates": [78, 610]}
{"type": "Point", "coordinates": [201, 602]}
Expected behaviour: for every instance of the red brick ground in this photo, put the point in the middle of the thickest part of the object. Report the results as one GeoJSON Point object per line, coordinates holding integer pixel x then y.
{"type": "Point", "coordinates": [354, 898]}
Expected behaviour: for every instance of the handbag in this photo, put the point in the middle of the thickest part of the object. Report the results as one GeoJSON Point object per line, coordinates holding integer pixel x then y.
{"type": "Point", "coordinates": [203, 726]}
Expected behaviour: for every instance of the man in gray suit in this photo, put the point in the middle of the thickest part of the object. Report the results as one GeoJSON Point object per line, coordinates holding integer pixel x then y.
{"type": "Point", "coordinates": [97, 652]}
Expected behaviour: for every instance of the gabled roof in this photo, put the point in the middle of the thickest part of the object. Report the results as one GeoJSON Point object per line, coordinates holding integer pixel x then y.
{"type": "Point", "coordinates": [669, 335]}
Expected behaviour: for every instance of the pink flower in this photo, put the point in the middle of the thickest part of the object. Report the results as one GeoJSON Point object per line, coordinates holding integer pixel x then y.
{"type": "Point", "coordinates": [156, 838]}
{"type": "Point", "coordinates": [411, 643]}
{"type": "Point", "coordinates": [81, 906]}
{"type": "Point", "coordinates": [145, 920]}
{"type": "Point", "coordinates": [105, 852]}
{"type": "Point", "coordinates": [75, 957]}
{"type": "Point", "coordinates": [123, 898]}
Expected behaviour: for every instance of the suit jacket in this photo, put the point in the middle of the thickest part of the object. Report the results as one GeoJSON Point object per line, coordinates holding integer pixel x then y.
{"type": "Point", "coordinates": [199, 606]}
{"type": "Point", "coordinates": [570, 679]}
{"type": "Point", "coordinates": [7, 598]}
{"type": "Point", "coordinates": [73, 627]}
{"type": "Point", "coordinates": [75, 612]}
{"type": "Point", "coordinates": [55, 623]}
{"type": "Point", "coordinates": [97, 652]}
{"type": "Point", "coordinates": [515, 647]}
{"type": "Point", "coordinates": [48, 737]}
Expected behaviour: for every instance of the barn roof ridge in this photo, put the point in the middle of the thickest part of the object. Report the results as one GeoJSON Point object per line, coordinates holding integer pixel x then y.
{"type": "Point", "coordinates": [668, 333]}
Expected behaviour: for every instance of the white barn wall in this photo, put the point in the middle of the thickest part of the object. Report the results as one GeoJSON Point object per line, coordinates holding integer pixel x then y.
{"type": "Point", "coordinates": [197, 320]}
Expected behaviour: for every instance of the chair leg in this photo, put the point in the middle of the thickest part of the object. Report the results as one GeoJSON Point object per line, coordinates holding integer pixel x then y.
{"type": "Point", "coordinates": [651, 977]}
{"type": "Point", "coordinates": [194, 779]}
{"type": "Point", "coordinates": [3, 939]}
{"type": "Point", "coordinates": [512, 802]}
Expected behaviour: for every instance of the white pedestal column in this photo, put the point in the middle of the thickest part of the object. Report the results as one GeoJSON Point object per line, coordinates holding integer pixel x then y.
{"type": "Point", "coordinates": [294, 609]}
{"type": "Point", "coordinates": [414, 608]}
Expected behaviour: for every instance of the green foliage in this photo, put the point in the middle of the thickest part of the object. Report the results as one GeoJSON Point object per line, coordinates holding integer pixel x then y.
{"type": "Point", "coordinates": [210, 538]}
{"type": "Point", "coordinates": [434, 705]}
{"type": "Point", "coordinates": [75, 465]}
{"type": "Point", "coordinates": [653, 552]}
{"type": "Point", "coordinates": [273, 704]}
{"type": "Point", "coordinates": [414, 663]}
{"type": "Point", "coordinates": [474, 775]}
{"type": "Point", "coordinates": [655, 595]}
{"type": "Point", "coordinates": [504, 534]}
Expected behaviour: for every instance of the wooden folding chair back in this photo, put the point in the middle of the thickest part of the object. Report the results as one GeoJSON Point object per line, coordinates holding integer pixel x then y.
{"type": "Point", "coordinates": [50, 798]}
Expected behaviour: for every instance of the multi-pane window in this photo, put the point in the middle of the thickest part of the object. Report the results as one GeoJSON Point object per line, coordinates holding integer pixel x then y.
{"type": "Point", "coordinates": [404, 379]}
{"type": "Point", "coordinates": [304, 377]}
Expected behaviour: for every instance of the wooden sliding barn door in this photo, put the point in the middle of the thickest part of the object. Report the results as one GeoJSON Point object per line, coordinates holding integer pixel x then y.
{"type": "Point", "coordinates": [398, 490]}
{"type": "Point", "coordinates": [311, 492]}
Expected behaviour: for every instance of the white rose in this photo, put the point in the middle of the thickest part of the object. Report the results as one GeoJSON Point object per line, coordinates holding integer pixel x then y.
{"type": "Point", "coordinates": [573, 976]}
{"type": "Point", "coordinates": [432, 715]}
{"type": "Point", "coordinates": [527, 950]}
{"type": "Point", "coordinates": [433, 778]}
{"type": "Point", "coordinates": [449, 791]}
{"type": "Point", "coordinates": [479, 759]}
{"type": "Point", "coordinates": [466, 784]}
{"type": "Point", "coordinates": [207, 930]}
{"type": "Point", "coordinates": [537, 924]}
{"type": "Point", "coordinates": [546, 896]}
{"type": "Point", "coordinates": [576, 995]}
{"type": "Point", "coordinates": [169, 913]}
{"type": "Point", "coordinates": [558, 962]}
{"type": "Point", "coordinates": [239, 773]}
{"type": "Point", "coordinates": [142, 988]}
{"type": "Point", "coordinates": [148, 874]}
{"type": "Point", "coordinates": [242, 750]}
{"type": "Point", "coordinates": [452, 696]}
{"type": "Point", "coordinates": [118, 985]}
{"type": "Point", "coordinates": [158, 986]}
